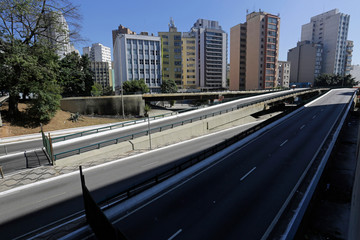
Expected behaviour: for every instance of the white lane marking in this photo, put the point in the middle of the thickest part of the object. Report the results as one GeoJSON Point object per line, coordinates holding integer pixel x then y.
{"type": "Point", "coordinates": [241, 179]}
{"type": "Point", "coordinates": [302, 127]}
{"type": "Point", "coordinates": [149, 164]}
{"type": "Point", "coordinates": [314, 117]}
{"type": "Point", "coordinates": [284, 143]}
{"type": "Point", "coordinates": [175, 234]}
{"type": "Point", "coordinates": [54, 196]}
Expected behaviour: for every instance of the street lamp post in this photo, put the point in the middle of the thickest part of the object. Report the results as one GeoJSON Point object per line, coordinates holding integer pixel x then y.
{"type": "Point", "coordinates": [149, 133]}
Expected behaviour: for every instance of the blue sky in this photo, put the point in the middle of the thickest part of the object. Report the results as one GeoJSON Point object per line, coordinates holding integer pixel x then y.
{"type": "Point", "coordinates": [101, 17]}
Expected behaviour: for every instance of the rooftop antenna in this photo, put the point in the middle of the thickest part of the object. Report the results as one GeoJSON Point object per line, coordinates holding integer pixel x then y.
{"type": "Point", "coordinates": [171, 24]}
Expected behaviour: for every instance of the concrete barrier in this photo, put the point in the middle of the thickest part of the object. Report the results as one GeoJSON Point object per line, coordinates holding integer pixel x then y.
{"type": "Point", "coordinates": [110, 105]}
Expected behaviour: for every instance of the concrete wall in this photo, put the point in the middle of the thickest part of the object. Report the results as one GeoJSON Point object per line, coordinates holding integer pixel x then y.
{"type": "Point", "coordinates": [110, 105]}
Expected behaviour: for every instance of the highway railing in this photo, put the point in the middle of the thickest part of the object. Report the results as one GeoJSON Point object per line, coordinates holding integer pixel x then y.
{"type": "Point", "coordinates": [133, 122]}
{"type": "Point", "coordinates": [110, 127]}
{"type": "Point", "coordinates": [152, 130]}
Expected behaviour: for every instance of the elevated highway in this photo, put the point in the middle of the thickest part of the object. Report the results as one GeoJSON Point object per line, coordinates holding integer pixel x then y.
{"type": "Point", "coordinates": [239, 194]}
{"type": "Point", "coordinates": [14, 154]}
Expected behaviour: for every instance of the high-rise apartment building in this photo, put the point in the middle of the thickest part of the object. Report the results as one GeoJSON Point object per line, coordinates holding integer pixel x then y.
{"type": "Point", "coordinates": [57, 34]}
{"type": "Point", "coordinates": [189, 60]}
{"type": "Point", "coordinates": [254, 48]}
{"type": "Point", "coordinates": [331, 30]}
{"type": "Point", "coordinates": [306, 62]}
{"type": "Point", "coordinates": [171, 54]}
{"type": "Point", "coordinates": [348, 56]}
{"type": "Point", "coordinates": [102, 73]}
{"type": "Point", "coordinates": [100, 57]}
{"type": "Point", "coordinates": [211, 54]}
{"type": "Point", "coordinates": [98, 53]}
{"type": "Point", "coordinates": [283, 74]}
{"type": "Point", "coordinates": [137, 57]}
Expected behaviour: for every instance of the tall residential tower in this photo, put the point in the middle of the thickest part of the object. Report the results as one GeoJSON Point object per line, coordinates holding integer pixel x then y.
{"type": "Point", "coordinates": [254, 48]}
{"type": "Point", "coordinates": [211, 54]}
{"type": "Point", "coordinates": [331, 30]}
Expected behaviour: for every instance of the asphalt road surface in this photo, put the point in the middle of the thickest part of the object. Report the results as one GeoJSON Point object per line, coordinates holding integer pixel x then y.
{"type": "Point", "coordinates": [241, 194]}
{"type": "Point", "coordinates": [30, 208]}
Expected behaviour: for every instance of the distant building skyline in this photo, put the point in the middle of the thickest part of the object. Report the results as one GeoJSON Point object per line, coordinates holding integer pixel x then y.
{"type": "Point", "coordinates": [331, 30]}
{"type": "Point", "coordinates": [98, 53]}
{"type": "Point", "coordinates": [137, 57]}
{"type": "Point", "coordinates": [171, 54]}
{"type": "Point", "coordinates": [57, 34]}
{"type": "Point", "coordinates": [255, 50]}
{"type": "Point", "coordinates": [306, 61]}
{"type": "Point", "coordinates": [284, 72]}
{"type": "Point", "coordinates": [211, 54]}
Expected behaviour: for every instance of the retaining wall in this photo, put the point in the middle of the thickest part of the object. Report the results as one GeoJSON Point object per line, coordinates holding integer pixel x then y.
{"type": "Point", "coordinates": [109, 105]}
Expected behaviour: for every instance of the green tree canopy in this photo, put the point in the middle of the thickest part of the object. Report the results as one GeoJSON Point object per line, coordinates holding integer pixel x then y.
{"type": "Point", "coordinates": [31, 69]}
{"type": "Point", "coordinates": [96, 90]}
{"type": "Point", "coordinates": [108, 91]}
{"type": "Point", "coordinates": [75, 78]}
{"type": "Point", "coordinates": [169, 86]}
{"type": "Point", "coordinates": [135, 86]}
{"type": "Point", "coordinates": [28, 64]}
{"type": "Point", "coordinates": [332, 80]}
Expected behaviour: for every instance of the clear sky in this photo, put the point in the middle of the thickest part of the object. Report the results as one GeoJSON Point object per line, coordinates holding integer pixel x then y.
{"type": "Point", "coordinates": [101, 17]}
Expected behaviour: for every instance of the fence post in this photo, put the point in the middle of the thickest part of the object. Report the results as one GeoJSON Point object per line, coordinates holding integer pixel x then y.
{"type": "Point", "coordinates": [52, 151]}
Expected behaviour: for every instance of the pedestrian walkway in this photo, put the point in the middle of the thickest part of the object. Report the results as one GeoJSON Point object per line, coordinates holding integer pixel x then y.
{"type": "Point", "coordinates": [63, 166]}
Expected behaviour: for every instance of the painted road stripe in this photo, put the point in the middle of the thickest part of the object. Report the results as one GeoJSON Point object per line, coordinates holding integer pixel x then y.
{"type": "Point", "coordinates": [175, 234]}
{"type": "Point", "coordinates": [302, 127]}
{"type": "Point", "coordinates": [241, 179]}
{"type": "Point", "coordinates": [284, 143]}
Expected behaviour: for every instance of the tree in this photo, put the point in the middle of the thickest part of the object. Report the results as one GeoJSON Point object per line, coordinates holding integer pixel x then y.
{"type": "Point", "coordinates": [169, 86]}
{"type": "Point", "coordinates": [108, 91]}
{"type": "Point", "coordinates": [332, 80]}
{"type": "Point", "coordinates": [75, 78]}
{"type": "Point", "coordinates": [96, 90]}
{"type": "Point", "coordinates": [33, 70]}
{"type": "Point", "coordinates": [24, 26]}
{"type": "Point", "coordinates": [135, 86]}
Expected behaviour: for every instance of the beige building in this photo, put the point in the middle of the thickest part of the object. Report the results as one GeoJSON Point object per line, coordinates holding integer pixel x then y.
{"type": "Point", "coordinates": [284, 74]}
{"type": "Point", "coordinates": [189, 61]}
{"type": "Point", "coordinates": [254, 48]}
{"type": "Point", "coordinates": [306, 62]}
{"type": "Point", "coordinates": [331, 30]}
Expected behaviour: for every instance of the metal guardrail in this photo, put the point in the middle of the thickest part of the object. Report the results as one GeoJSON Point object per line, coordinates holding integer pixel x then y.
{"type": "Point", "coordinates": [114, 126]}
{"type": "Point", "coordinates": [159, 129]}
{"type": "Point", "coordinates": [128, 123]}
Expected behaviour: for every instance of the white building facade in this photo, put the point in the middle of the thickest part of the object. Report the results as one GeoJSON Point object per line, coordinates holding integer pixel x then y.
{"type": "Point", "coordinates": [98, 53]}
{"type": "Point", "coordinates": [284, 73]}
{"type": "Point", "coordinates": [331, 30]}
{"type": "Point", "coordinates": [137, 57]}
{"type": "Point", "coordinates": [211, 54]}
{"type": "Point", "coordinates": [57, 34]}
